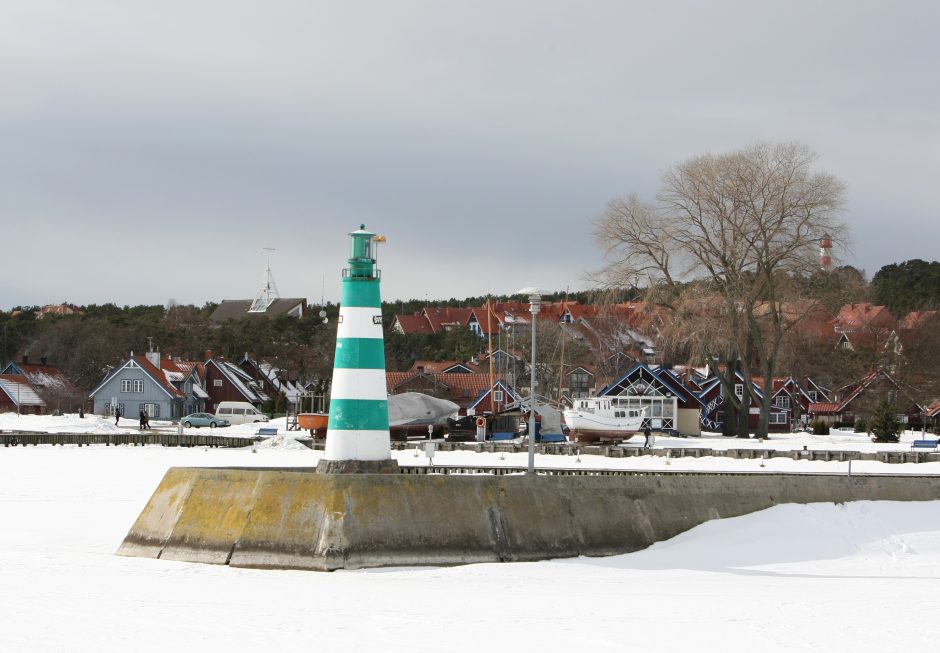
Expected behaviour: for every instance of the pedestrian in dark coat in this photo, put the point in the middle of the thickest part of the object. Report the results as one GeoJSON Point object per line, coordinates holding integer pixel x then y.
{"type": "Point", "coordinates": [646, 434]}
{"type": "Point", "coordinates": [143, 420]}
{"type": "Point", "coordinates": [117, 415]}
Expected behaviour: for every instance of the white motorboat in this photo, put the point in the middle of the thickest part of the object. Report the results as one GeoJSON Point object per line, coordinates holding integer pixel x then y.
{"type": "Point", "coordinates": [603, 418]}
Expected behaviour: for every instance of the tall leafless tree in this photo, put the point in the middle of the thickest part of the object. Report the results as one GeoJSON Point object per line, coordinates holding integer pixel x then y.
{"type": "Point", "coordinates": [742, 226]}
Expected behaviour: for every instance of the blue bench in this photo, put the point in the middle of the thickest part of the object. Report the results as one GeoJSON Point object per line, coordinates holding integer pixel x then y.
{"type": "Point", "coordinates": [924, 444]}
{"type": "Point", "coordinates": [550, 438]}
{"type": "Point", "coordinates": [267, 430]}
{"type": "Point", "coordinates": [502, 435]}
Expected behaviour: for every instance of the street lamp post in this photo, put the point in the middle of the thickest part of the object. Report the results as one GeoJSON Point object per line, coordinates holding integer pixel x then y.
{"type": "Point", "coordinates": [534, 301]}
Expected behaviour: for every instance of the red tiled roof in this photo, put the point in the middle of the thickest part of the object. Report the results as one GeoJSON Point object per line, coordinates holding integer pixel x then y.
{"type": "Point", "coordinates": [824, 408]}
{"type": "Point", "coordinates": [444, 316]}
{"type": "Point", "coordinates": [852, 317]}
{"type": "Point", "coordinates": [461, 387]}
{"type": "Point", "coordinates": [933, 410]}
{"type": "Point", "coordinates": [915, 319]}
{"type": "Point", "coordinates": [158, 376]}
{"type": "Point", "coordinates": [414, 324]}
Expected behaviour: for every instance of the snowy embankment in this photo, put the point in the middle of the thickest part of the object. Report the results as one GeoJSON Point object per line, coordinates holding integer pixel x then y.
{"type": "Point", "coordinates": [854, 577]}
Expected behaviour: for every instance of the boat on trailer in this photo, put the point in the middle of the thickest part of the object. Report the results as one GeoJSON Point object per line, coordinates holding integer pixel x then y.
{"type": "Point", "coordinates": [603, 418]}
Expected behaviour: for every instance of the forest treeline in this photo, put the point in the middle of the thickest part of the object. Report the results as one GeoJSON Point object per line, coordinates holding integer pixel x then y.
{"type": "Point", "coordinates": [84, 346]}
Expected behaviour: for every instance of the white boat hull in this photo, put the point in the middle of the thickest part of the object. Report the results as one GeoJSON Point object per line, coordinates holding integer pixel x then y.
{"type": "Point", "coordinates": [599, 424]}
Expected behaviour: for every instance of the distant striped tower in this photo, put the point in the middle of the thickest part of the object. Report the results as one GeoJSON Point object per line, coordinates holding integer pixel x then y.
{"type": "Point", "coordinates": [825, 253]}
{"type": "Point", "coordinates": [357, 437]}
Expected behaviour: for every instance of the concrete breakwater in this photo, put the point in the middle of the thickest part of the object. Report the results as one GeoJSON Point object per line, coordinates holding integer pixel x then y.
{"type": "Point", "coordinates": [298, 519]}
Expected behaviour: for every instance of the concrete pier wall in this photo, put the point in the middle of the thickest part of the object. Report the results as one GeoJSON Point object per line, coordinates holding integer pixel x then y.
{"type": "Point", "coordinates": [298, 519]}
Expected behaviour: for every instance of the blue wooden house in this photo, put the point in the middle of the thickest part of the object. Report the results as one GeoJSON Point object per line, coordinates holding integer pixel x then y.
{"type": "Point", "coordinates": [138, 384]}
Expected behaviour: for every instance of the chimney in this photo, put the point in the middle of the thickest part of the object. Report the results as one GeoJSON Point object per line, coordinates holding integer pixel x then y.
{"type": "Point", "coordinates": [207, 355]}
{"type": "Point", "coordinates": [42, 360]}
{"type": "Point", "coordinates": [154, 358]}
{"type": "Point", "coordinates": [25, 359]}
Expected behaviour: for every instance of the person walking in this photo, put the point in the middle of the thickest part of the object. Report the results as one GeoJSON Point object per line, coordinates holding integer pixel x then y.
{"type": "Point", "coordinates": [117, 414]}
{"type": "Point", "coordinates": [647, 435]}
{"type": "Point", "coordinates": [143, 420]}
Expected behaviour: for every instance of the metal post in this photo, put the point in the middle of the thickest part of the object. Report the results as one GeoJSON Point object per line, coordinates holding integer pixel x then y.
{"type": "Point", "coordinates": [533, 309]}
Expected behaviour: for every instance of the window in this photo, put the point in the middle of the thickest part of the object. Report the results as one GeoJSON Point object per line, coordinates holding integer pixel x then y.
{"type": "Point", "coordinates": [580, 382]}
{"type": "Point", "coordinates": [132, 385]}
{"type": "Point", "coordinates": [778, 418]}
{"type": "Point", "coordinates": [812, 395]}
{"type": "Point", "coordinates": [109, 409]}
{"type": "Point", "coordinates": [152, 410]}
{"type": "Point", "coordinates": [739, 390]}
{"type": "Point", "coordinates": [217, 383]}
{"type": "Point", "coordinates": [498, 396]}
{"type": "Point", "coordinates": [782, 400]}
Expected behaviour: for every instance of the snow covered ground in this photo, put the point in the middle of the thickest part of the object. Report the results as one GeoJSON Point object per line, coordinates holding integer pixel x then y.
{"type": "Point", "coordinates": [856, 577]}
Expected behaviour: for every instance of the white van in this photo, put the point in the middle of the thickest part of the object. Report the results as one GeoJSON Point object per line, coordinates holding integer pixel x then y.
{"type": "Point", "coordinates": [239, 412]}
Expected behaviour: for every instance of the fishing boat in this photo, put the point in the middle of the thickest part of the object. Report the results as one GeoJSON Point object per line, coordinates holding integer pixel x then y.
{"type": "Point", "coordinates": [603, 418]}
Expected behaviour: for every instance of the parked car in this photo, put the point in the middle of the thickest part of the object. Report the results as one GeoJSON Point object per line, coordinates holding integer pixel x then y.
{"type": "Point", "coordinates": [203, 419]}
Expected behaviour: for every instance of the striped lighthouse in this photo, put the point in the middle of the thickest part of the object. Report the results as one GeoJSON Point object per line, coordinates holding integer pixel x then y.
{"type": "Point", "coordinates": [357, 433]}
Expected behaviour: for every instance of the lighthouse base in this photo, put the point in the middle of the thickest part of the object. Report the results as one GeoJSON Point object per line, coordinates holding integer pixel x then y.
{"type": "Point", "coordinates": [298, 519]}
{"type": "Point", "coordinates": [389, 466]}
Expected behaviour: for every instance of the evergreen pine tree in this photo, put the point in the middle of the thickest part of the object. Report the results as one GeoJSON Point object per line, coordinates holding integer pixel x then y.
{"type": "Point", "coordinates": [884, 423]}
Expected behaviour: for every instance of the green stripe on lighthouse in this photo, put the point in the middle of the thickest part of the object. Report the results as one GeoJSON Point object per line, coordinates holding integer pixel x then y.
{"type": "Point", "coordinates": [360, 353]}
{"type": "Point", "coordinates": [358, 415]}
{"type": "Point", "coordinates": [362, 292]}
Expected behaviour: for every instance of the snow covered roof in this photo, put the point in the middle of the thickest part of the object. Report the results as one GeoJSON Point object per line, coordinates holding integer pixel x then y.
{"type": "Point", "coordinates": [19, 391]}
{"type": "Point", "coordinates": [240, 380]}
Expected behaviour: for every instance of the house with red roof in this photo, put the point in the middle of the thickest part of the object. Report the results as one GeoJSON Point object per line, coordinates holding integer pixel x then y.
{"type": "Point", "coordinates": [856, 400]}
{"type": "Point", "coordinates": [493, 400]}
{"type": "Point", "coordinates": [795, 395]}
{"type": "Point", "coordinates": [58, 309]}
{"type": "Point", "coordinates": [864, 326]}
{"type": "Point", "coordinates": [933, 415]}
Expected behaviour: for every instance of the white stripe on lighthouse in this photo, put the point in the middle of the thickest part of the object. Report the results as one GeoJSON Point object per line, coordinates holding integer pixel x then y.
{"type": "Point", "coordinates": [353, 383]}
{"type": "Point", "coordinates": [358, 445]}
{"type": "Point", "coordinates": [360, 322]}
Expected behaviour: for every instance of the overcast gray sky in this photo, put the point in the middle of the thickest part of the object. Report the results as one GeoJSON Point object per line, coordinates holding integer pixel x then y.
{"type": "Point", "coordinates": [149, 150]}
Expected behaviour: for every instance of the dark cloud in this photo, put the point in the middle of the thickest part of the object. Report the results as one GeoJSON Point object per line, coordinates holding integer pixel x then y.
{"type": "Point", "coordinates": [150, 150]}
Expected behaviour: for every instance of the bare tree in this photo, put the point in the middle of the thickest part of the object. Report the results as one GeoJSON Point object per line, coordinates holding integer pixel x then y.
{"type": "Point", "coordinates": [743, 226]}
